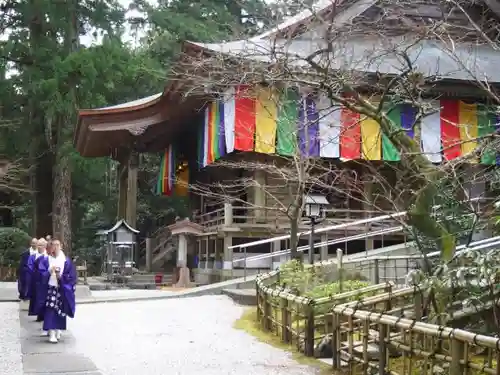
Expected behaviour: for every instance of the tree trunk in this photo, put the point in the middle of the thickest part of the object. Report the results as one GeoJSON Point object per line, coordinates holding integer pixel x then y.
{"type": "Point", "coordinates": [294, 238]}
{"type": "Point", "coordinates": [61, 215]}
{"type": "Point", "coordinates": [42, 191]}
{"type": "Point", "coordinates": [62, 170]}
{"type": "Point", "coordinates": [41, 155]}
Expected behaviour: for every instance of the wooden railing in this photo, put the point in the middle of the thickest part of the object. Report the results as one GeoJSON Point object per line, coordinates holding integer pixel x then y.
{"type": "Point", "coordinates": [255, 217]}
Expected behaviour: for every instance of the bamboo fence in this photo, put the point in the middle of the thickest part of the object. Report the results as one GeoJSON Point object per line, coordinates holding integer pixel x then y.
{"type": "Point", "coordinates": [299, 320]}
{"type": "Point", "coordinates": [376, 330]}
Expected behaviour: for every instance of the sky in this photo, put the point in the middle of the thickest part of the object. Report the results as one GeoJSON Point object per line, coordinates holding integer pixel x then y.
{"type": "Point", "coordinates": [88, 40]}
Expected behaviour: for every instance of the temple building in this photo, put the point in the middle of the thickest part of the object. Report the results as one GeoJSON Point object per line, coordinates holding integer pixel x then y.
{"type": "Point", "coordinates": [214, 130]}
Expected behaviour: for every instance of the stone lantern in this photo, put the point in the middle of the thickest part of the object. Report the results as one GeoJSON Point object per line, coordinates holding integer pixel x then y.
{"type": "Point", "coordinates": [121, 249]}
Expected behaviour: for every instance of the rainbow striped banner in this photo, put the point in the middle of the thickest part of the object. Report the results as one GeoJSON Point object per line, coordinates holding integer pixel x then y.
{"type": "Point", "coordinates": [264, 121]}
{"type": "Point", "coordinates": [166, 176]}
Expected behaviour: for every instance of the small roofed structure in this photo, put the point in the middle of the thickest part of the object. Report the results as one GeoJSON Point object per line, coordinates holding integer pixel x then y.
{"type": "Point", "coordinates": [121, 249]}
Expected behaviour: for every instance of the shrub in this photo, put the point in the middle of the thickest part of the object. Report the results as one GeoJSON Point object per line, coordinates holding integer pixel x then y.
{"type": "Point", "coordinates": [331, 289]}
{"type": "Point", "coordinates": [13, 242]}
{"type": "Point", "coordinates": [317, 282]}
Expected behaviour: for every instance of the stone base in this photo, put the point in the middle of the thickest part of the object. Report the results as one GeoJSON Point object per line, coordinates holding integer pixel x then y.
{"type": "Point", "coordinates": [184, 278]}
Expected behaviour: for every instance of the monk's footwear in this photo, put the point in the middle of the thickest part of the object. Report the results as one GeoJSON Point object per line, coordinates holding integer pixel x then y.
{"type": "Point", "coordinates": [52, 336]}
{"type": "Point", "coordinates": [58, 334]}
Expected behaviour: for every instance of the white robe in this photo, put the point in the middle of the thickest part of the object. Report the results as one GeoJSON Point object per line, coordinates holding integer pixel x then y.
{"type": "Point", "coordinates": [57, 262]}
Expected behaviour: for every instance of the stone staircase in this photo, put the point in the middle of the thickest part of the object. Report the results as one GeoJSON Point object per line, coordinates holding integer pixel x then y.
{"type": "Point", "coordinates": [163, 249]}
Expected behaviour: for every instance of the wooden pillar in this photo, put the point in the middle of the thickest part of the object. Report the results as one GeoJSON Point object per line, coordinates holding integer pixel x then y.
{"type": "Point", "coordinates": [228, 214]}
{"type": "Point", "coordinates": [227, 263]}
{"type": "Point", "coordinates": [259, 198]}
{"type": "Point", "coordinates": [131, 202]}
{"type": "Point", "coordinates": [122, 190]}
{"type": "Point", "coordinates": [149, 255]}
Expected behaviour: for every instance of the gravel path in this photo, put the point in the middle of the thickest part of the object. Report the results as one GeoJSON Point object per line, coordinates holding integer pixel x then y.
{"type": "Point", "coordinates": [189, 336]}
{"type": "Point", "coordinates": [10, 343]}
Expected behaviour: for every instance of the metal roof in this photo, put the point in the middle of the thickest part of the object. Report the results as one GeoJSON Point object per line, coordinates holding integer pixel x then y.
{"type": "Point", "coordinates": [118, 225]}
{"type": "Point", "coordinates": [133, 103]}
{"type": "Point", "coordinates": [466, 61]}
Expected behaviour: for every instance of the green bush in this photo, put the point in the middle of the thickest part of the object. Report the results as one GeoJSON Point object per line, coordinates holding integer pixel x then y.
{"type": "Point", "coordinates": [331, 289]}
{"type": "Point", "coordinates": [13, 242]}
{"type": "Point", "coordinates": [317, 282]}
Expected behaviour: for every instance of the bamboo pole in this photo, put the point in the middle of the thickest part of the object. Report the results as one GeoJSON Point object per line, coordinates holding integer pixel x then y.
{"type": "Point", "coordinates": [424, 328]}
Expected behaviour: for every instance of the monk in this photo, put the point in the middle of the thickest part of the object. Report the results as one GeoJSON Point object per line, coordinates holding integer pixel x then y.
{"type": "Point", "coordinates": [59, 279]}
{"type": "Point", "coordinates": [37, 291]}
{"type": "Point", "coordinates": [24, 272]}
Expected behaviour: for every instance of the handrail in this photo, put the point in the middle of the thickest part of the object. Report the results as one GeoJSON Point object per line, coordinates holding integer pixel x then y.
{"type": "Point", "coordinates": [325, 243]}
{"type": "Point", "coordinates": [334, 227]}
{"type": "Point", "coordinates": [347, 239]}
{"type": "Point", "coordinates": [477, 245]}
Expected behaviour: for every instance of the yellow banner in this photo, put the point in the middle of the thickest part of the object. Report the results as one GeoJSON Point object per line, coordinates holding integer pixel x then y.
{"type": "Point", "coordinates": [371, 139]}
{"type": "Point", "coordinates": [266, 114]}
{"type": "Point", "coordinates": [467, 115]}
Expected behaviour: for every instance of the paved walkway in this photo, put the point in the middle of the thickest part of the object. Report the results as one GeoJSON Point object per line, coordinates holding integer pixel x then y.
{"type": "Point", "coordinates": [187, 336]}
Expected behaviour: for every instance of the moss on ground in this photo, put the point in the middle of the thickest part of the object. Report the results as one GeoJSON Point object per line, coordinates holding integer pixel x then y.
{"type": "Point", "coordinates": [248, 323]}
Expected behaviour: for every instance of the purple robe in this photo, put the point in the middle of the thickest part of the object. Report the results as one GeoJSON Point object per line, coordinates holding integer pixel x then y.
{"type": "Point", "coordinates": [38, 292]}
{"type": "Point", "coordinates": [59, 301]}
{"type": "Point", "coordinates": [24, 276]}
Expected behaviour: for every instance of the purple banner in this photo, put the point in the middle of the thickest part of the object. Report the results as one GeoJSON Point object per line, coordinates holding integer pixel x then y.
{"type": "Point", "coordinates": [408, 115]}
{"type": "Point", "coordinates": [308, 132]}
{"type": "Point", "coordinates": [222, 132]}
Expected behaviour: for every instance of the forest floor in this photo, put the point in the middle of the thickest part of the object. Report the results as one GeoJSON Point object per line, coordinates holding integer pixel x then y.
{"type": "Point", "coordinates": [175, 336]}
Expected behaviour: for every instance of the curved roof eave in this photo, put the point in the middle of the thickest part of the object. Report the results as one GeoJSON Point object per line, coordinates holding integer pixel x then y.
{"type": "Point", "coordinates": [123, 107]}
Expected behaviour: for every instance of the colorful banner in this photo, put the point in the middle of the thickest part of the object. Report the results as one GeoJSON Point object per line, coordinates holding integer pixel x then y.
{"type": "Point", "coordinates": [266, 113]}
{"type": "Point", "coordinates": [166, 176]}
{"type": "Point", "coordinates": [316, 127]}
{"type": "Point", "coordinates": [350, 137]}
{"type": "Point", "coordinates": [308, 131]}
{"type": "Point", "coordinates": [229, 105]}
{"type": "Point", "coordinates": [329, 127]}
{"type": "Point", "coordinates": [487, 120]}
{"type": "Point", "coordinates": [287, 124]}
{"type": "Point", "coordinates": [371, 139]}
{"type": "Point", "coordinates": [402, 117]}
{"type": "Point", "coordinates": [173, 177]}
{"type": "Point", "coordinates": [244, 119]}
{"type": "Point", "coordinates": [450, 130]}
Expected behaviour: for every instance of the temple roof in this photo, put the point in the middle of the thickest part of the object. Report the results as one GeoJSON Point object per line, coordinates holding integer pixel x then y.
{"type": "Point", "coordinates": [134, 104]}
